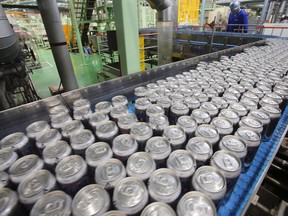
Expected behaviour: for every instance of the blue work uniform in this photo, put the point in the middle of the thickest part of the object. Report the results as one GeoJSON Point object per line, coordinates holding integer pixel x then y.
{"type": "Point", "coordinates": [240, 18]}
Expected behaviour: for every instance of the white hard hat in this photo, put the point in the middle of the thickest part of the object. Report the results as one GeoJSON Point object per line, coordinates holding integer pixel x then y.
{"type": "Point", "coordinates": [235, 5]}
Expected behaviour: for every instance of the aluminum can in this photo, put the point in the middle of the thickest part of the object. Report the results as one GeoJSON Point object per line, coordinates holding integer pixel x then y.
{"type": "Point", "coordinates": [109, 172]}
{"type": "Point", "coordinates": [250, 96]}
{"type": "Point", "coordinates": [268, 101]}
{"type": "Point", "coordinates": [117, 112]}
{"type": "Point", "coordinates": [192, 103]}
{"type": "Point", "coordinates": [274, 96]}
{"type": "Point", "coordinates": [91, 200]}
{"type": "Point", "coordinates": [140, 165]}
{"type": "Point", "coordinates": [176, 135]}
{"type": "Point", "coordinates": [123, 146]}
{"type": "Point", "coordinates": [186, 92]}
{"type": "Point", "coordinates": [141, 104]}
{"type": "Point", "coordinates": [141, 132]}
{"type": "Point", "coordinates": [126, 121]}
{"type": "Point", "coordinates": [4, 180]}
{"type": "Point", "coordinates": [70, 128]}
{"type": "Point", "coordinates": [257, 92]}
{"type": "Point", "coordinates": [152, 96]}
{"type": "Point", "coordinates": [58, 110]}
{"type": "Point", "coordinates": [231, 115]}
{"type": "Point", "coordinates": [130, 196]}
{"type": "Point", "coordinates": [153, 110]}
{"type": "Point", "coordinates": [97, 119]}
{"type": "Point", "coordinates": [18, 142]}
{"type": "Point", "coordinates": [158, 208]}
{"type": "Point", "coordinates": [251, 122]}
{"type": "Point", "coordinates": [34, 186]}
{"type": "Point", "coordinates": [176, 97]}
{"type": "Point", "coordinates": [223, 126]}
{"type": "Point", "coordinates": [261, 116]}
{"type": "Point", "coordinates": [188, 124]}
{"type": "Point", "coordinates": [140, 91]}
{"type": "Point", "coordinates": [220, 102]}
{"type": "Point", "coordinates": [201, 149]}
{"type": "Point", "coordinates": [252, 140]}
{"type": "Point", "coordinates": [210, 107]}
{"type": "Point", "coordinates": [208, 132]}
{"type": "Point", "coordinates": [53, 203]}
{"type": "Point", "coordinates": [158, 123]}
{"type": "Point", "coordinates": [165, 103]}
{"type": "Point", "coordinates": [240, 109]}
{"type": "Point", "coordinates": [196, 203]}
{"type": "Point", "coordinates": [96, 154]}
{"type": "Point", "coordinates": [202, 97]}
{"type": "Point", "coordinates": [284, 94]}
{"type": "Point", "coordinates": [230, 98]}
{"type": "Point", "coordinates": [211, 182]}
{"type": "Point", "coordinates": [228, 164]}
{"type": "Point", "coordinates": [114, 213]}
{"type": "Point", "coordinates": [249, 104]}
{"type": "Point", "coordinates": [80, 141]}
{"type": "Point", "coordinates": [81, 103]}
{"type": "Point", "coordinates": [8, 157]}
{"type": "Point", "coordinates": [10, 203]}
{"type": "Point", "coordinates": [177, 109]}
{"type": "Point", "coordinates": [23, 167]}
{"type": "Point", "coordinates": [54, 153]}
{"type": "Point", "coordinates": [71, 174]}
{"type": "Point", "coordinates": [103, 107]}
{"type": "Point", "coordinates": [159, 148]}
{"type": "Point", "coordinates": [152, 86]}
{"type": "Point", "coordinates": [164, 186]}
{"type": "Point", "coordinates": [47, 138]}
{"type": "Point", "coordinates": [119, 100]}
{"type": "Point", "coordinates": [82, 114]}
{"type": "Point", "coordinates": [57, 121]}
{"type": "Point", "coordinates": [274, 114]}
{"type": "Point", "coordinates": [107, 131]}
{"type": "Point", "coordinates": [36, 129]}
{"type": "Point", "coordinates": [201, 116]}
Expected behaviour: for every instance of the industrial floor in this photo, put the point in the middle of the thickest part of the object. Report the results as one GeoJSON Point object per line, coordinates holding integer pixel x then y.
{"type": "Point", "coordinates": [47, 75]}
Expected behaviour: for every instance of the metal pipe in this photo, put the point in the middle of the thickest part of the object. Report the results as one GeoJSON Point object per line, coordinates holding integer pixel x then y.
{"type": "Point", "coordinates": [52, 22]}
{"type": "Point", "coordinates": [283, 6]}
{"type": "Point", "coordinates": [270, 10]}
{"type": "Point", "coordinates": [264, 11]}
{"type": "Point", "coordinates": [9, 45]}
{"type": "Point", "coordinates": [202, 17]}
{"type": "Point", "coordinates": [159, 5]}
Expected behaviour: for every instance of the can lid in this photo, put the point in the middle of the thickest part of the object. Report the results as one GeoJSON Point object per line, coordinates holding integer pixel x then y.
{"type": "Point", "coordinates": [223, 125]}
{"type": "Point", "coordinates": [82, 113]}
{"type": "Point", "coordinates": [185, 91]}
{"type": "Point", "coordinates": [141, 131]}
{"type": "Point", "coordinates": [118, 111]}
{"type": "Point", "coordinates": [158, 208]}
{"type": "Point", "coordinates": [220, 102]}
{"type": "Point", "coordinates": [192, 102]}
{"type": "Point", "coordinates": [57, 121]}
{"type": "Point", "coordinates": [91, 200]}
{"type": "Point", "coordinates": [209, 132]}
{"type": "Point", "coordinates": [202, 97]}
{"type": "Point", "coordinates": [164, 102]}
{"type": "Point", "coordinates": [257, 92]}
{"type": "Point", "coordinates": [161, 82]}
{"type": "Point", "coordinates": [53, 203]}
{"type": "Point", "coordinates": [109, 172]}
{"type": "Point", "coordinates": [154, 110]}
{"type": "Point", "coordinates": [97, 153]}
{"type": "Point", "coordinates": [152, 86]}
{"type": "Point", "coordinates": [179, 108]}
{"type": "Point", "coordinates": [197, 204]}
{"type": "Point", "coordinates": [8, 201]}
{"type": "Point", "coordinates": [182, 162]}
{"type": "Point", "coordinates": [251, 122]}
{"type": "Point", "coordinates": [37, 128]}
{"type": "Point", "coordinates": [4, 180]}
{"type": "Point", "coordinates": [152, 96]}
{"type": "Point", "coordinates": [176, 96]}
{"type": "Point", "coordinates": [274, 96]}
{"type": "Point", "coordinates": [158, 147]}
{"type": "Point", "coordinates": [230, 114]}
{"type": "Point", "coordinates": [82, 139]}
{"type": "Point", "coordinates": [274, 112]}
{"type": "Point", "coordinates": [238, 108]}
{"type": "Point", "coordinates": [234, 144]}
{"type": "Point", "coordinates": [268, 101]}
{"type": "Point", "coordinates": [250, 137]}
{"type": "Point", "coordinates": [56, 151]}
{"type": "Point", "coordinates": [15, 141]}
{"type": "Point", "coordinates": [107, 129]}
{"type": "Point", "coordinates": [114, 213]}
{"type": "Point", "coordinates": [164, 185]}
{"type": "Point", "coordinates": [142, 103]}
{"type": "Point", "coordinates": [209, 106]}
{"type": "Point", "coordinates": [248, 103]}
{"type": "Point", "coordinates": [126, 121]}
{"type": "Point", "coordinates": [103, 107]}
{"type": "Point", "coordinates": [72, 127]}
{"type": "Point", "coordinates": [119, 100]}
{"type": "Point", "coordinates": [130, 195]}
{"type": "Point", "coordinates": [175, 134]}
{"type": "Point", "coordinates": [47, 138]}
{"type": "Point", "coordinates": [200, 148]}
{"type": "Point", "coordinates": [158, 122]}
{"type": "Point", "coordinates": [210, 181]}
{"type": "Point", "coordinates": [140, 91]}
{"type": "Point", "coordinates": [81, 103]}
{"type": "Point", "coordinates": [57, 110]}
{"type": "Point", "coordinates": [201, 116]}
{"type": "Point", "coordinates": [24, 166]}
{"type": "Point", "coordinates": [227, 162]}
{"type": "Point", "coordinates": [230, 97]}
{"type": "Point", "coordinates": [251, 96]}
{"type": "Point", "coordinates": [34, 185]}
{"type": "Point", "coordinates": [124, 145]}
{"type": "Point", "coordinates": [188, 123]}
{"type": "Point", "coordinates": [7, 158]}
{"type": "Point", "coordinates": [260, 115]}
{"type": "Point", "coordinates": [264, 87]}
{"type": "Point", "coordinates": [97, 118]}
{"type": "Point", "coordinates": [70, 169]}
{"type": "Point", "coordinates": [140, 165]}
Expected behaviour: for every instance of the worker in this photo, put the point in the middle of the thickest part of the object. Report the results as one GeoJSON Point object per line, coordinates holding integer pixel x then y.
{"type": "Point", "coordinates": [238, 18]}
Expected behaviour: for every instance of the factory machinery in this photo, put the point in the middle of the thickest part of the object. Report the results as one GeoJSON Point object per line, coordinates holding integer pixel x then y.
{"type": "Point", "coordinates": [120, 121]}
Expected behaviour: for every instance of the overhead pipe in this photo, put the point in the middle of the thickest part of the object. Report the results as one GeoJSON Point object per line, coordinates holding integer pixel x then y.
{"type": "Point", "coordinates": [9, 44]}
{"type": "Point", "coordinates": [53, 26]}
{"type": "Point", "coordinates": [159, 5]}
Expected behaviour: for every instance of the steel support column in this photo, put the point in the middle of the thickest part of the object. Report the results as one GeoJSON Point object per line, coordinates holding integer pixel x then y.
{"type": "Point", "coordinates": [202, 17]}
{"type": "Point", "coordinates": [264, 11]}
{"type": "Point", "coordinates": [126, 18]}
{"type": "Point", "coordinates": [52, 22]}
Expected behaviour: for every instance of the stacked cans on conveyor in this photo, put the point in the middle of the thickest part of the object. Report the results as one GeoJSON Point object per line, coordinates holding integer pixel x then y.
{"type": "Point", "coordinates": [180, 153]}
